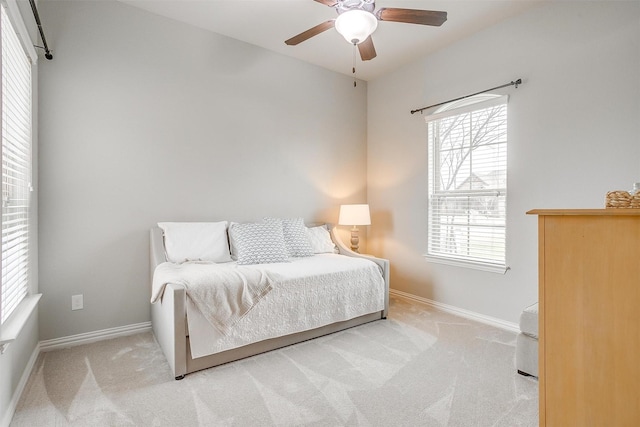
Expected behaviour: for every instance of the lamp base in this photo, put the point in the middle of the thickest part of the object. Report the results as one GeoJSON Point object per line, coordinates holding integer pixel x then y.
{"type": "Point", "coordinates": [355, 240]}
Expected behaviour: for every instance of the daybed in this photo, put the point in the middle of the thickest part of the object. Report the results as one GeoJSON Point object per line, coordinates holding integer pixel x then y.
{"type": "Point", "coordinates": [307, 297]}
{"type": "Point", "coordinates": [527, 342]}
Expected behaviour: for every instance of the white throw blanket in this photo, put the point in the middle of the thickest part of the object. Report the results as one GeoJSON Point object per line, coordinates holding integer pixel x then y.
{"type": "Point", "coordinates": [223, 293]}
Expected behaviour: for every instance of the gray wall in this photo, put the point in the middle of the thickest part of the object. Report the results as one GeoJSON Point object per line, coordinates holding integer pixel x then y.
{"type": "Point", "coordinates": [144, 119]}
{"type": "Point", "coordinates": [574, 134]}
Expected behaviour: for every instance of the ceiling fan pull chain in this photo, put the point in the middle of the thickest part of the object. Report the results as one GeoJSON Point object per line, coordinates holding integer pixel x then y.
{"type": "Point", "coordinates": [353, 70]}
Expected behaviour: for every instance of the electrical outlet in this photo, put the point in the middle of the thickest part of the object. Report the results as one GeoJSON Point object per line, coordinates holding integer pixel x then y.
{"type": "Point", "coordinates": [77, 302]}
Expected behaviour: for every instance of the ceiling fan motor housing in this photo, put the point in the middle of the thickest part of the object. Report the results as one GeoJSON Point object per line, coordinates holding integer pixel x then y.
{"type": "Point", "coordinates": [346, 5]}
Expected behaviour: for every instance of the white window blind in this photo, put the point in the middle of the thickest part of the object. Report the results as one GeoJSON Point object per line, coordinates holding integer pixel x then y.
{"type": "Point", "coordinates": [16, 168]}
{"type": "Point", "coordinates": [468, 183]}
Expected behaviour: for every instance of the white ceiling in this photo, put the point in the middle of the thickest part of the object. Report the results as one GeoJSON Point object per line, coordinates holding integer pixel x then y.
{"type": "Point", "coordinates": [268, 23]}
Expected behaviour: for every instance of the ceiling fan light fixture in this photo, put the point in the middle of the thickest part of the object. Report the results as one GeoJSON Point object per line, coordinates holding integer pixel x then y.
{"type": "Point", "coordinates": [356, 25]}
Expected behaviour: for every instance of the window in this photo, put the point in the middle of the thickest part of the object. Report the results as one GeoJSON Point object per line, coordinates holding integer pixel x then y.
{"type": "Point", "coordinates": [468, 183]}
{"type": "Point", "coordinates": [16, 168]}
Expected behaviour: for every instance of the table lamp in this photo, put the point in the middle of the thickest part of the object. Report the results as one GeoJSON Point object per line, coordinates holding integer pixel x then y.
{"type": "Point", "coordinates": [354, 215]}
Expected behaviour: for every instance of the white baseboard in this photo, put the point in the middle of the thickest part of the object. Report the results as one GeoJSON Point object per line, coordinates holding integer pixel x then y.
{"type": "Point", "coordinates": [492, 321]}
{"type": "Point", "coordinates": [8, 415]}
{"type": "Point", "coordinates": [89, 337]}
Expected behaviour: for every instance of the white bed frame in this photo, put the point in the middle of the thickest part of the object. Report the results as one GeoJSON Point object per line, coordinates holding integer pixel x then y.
{"type": "Point", "coordinates": [169, 319]}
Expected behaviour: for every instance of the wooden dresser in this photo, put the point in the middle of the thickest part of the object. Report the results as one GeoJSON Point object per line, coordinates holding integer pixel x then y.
{"type": "Point", "coordinates": [589, 318]}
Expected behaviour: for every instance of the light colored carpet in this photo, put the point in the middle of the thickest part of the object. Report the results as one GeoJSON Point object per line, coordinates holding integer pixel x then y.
{"type": "Point", "coordinates": [421, 367]}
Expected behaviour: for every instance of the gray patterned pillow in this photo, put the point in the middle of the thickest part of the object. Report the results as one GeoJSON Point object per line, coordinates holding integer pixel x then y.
{"type": "Point", "coordinates": [259, 243]}
{"type": "Point", "coordinates": [295, 237]}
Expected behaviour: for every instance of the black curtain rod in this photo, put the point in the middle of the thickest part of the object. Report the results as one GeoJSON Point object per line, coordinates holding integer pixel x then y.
{"type": "Point", "coordinates": [47, 52]}
{"type": "Point", "coordinates": [516, 83]}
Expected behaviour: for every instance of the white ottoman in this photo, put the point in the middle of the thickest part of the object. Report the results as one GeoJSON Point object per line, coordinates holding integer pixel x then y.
{"type": "Point", "coordinates": [527, 342]}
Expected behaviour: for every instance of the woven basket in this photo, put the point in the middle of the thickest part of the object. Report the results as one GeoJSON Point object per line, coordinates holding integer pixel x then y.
{"type": "Point", "coordinates": [622, 199]}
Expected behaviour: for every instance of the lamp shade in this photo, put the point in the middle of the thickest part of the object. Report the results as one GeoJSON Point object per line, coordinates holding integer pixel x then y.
{"type": "Point", "coordinates": [354, 215]}
{"type": "Point", "coordinates": [356, 25]}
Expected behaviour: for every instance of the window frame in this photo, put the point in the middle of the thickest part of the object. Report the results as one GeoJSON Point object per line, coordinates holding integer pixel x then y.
{"type": "Point", "coordinates": [15, 321]}
{"type": "Point", "coordinates": [457, 108]}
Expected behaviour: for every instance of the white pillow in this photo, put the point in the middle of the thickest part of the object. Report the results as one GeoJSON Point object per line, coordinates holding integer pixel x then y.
{"type": "Point", "coordinates": [320, 240]}
{"type": "Point", "coordinates": [258, 243]}
{"type": "Point", "coordinates": [295, 236]}
{"type": "Point", "coordinates": [196, 241]}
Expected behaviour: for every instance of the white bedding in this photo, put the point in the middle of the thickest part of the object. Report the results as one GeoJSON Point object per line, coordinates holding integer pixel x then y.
{"type": "Point", "coordinates": [308, 293]}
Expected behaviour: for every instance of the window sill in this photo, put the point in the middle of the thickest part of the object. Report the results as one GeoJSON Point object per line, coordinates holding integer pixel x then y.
{"type": "Point", "coordinates": [500, 269]}
{"type": "Point", "coordinates": [11, 328]}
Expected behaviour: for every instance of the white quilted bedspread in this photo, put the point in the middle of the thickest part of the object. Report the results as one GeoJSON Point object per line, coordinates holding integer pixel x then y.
{"type": "Point", "coordinates": [308, 293]}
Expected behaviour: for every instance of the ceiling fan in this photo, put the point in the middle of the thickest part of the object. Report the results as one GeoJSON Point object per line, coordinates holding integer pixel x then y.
{"type": "Point", "coordinates": [357, 20]}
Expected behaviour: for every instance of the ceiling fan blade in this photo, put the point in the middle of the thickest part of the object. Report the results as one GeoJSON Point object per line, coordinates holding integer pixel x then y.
{"type": "Point", "coordinates": [367, 50]}
{"type": "Point", "coordinates": [412, 16]}
{"type": "Point", "coordinates": [310, 33]}
{"type": "Point", "coordinates": [329, 3]}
